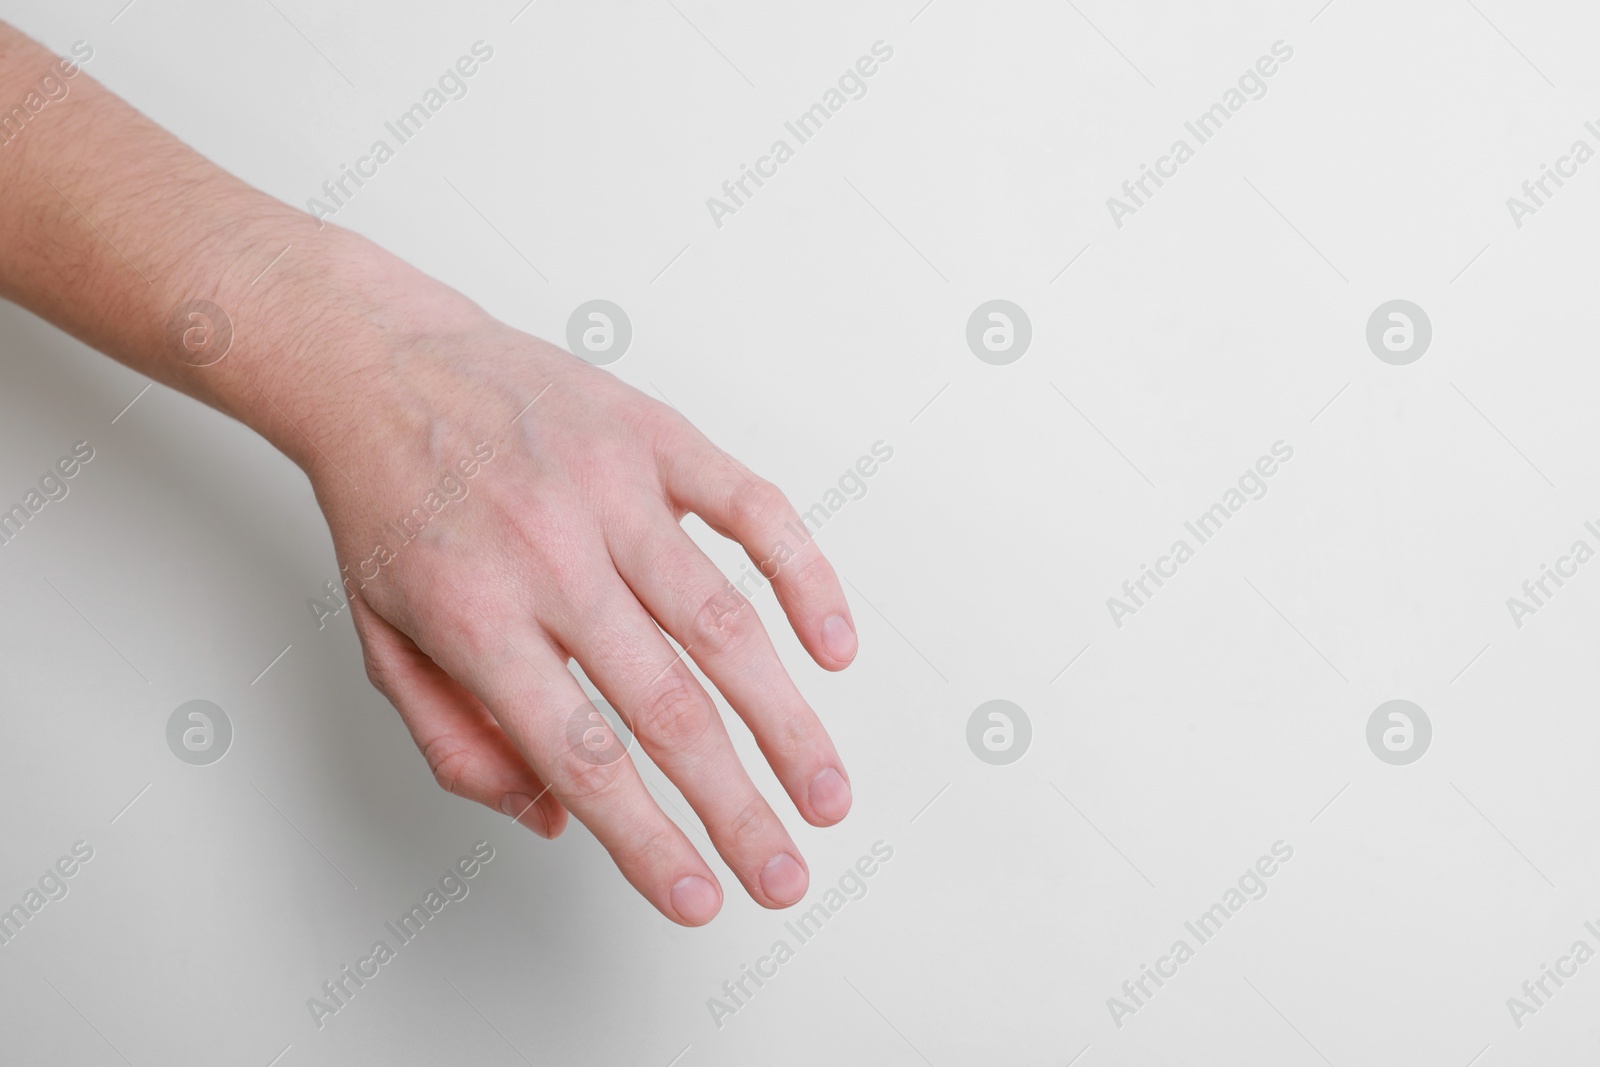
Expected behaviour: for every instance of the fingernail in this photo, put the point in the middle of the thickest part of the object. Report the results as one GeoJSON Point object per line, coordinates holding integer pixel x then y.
{"type": "Point", "coordinates": [783, 879]}
{"type": "Point", "coordinates": [521, 807]}
{"type": "Point", "coordinates": [695, 900]}
{"type": "Point", "coordinates": [838, 638]}
{"type": "Point", "coordinates": [830, 795]}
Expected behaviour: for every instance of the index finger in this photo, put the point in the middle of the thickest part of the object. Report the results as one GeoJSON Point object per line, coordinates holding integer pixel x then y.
{"type": "Point", "coordinates": [778, 540]}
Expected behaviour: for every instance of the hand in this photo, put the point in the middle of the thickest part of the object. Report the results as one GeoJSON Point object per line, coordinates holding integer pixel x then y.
{"type": "Point", "coordinates": [514, 507]}
{"type": "Point", "coordinates": [543, 495]}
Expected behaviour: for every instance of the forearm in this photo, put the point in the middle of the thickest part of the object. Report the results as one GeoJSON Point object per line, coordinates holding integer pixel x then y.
{"type": "Point", "coordinates": [113, 229]}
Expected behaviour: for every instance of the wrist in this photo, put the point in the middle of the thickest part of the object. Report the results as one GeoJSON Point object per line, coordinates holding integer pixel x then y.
{"type": "Point", "coordinates": [316, 334]}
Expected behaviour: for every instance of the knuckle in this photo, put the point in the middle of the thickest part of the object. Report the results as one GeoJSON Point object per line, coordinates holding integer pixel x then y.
{"type": "Point", "coordinates": [652, 851]}
{"type": "Point", "coordinates": [579, 780]}
{"type": "Point", "coordinates": [815, 574]}
{"type": "Point", "coordinates": [674, 717]}
{"type": "Point", "coordinates": [723, 620]}
{"type": "Point", "coordinates": [450, 759]}
{"type": "Point", "coordinates": [747, 827]}
{"type": "Point", "coordinates": [664, 428]}
{"type": "Point", "coordinates": [475, 630]}
{"type": "Point", "coordinates": [758, 504]}
{"type": "Point", "coordinates": [798, 736]}
{"type": "Point", "coordinates": [376, 674]}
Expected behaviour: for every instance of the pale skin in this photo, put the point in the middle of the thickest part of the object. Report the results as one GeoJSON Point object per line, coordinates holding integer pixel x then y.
{"type": "Point", "coordinates": [377, 380]}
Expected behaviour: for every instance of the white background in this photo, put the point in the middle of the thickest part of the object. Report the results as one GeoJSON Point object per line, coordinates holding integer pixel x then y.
{"type": "Point", "coordinates": [1175, 350]}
